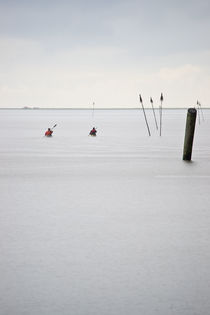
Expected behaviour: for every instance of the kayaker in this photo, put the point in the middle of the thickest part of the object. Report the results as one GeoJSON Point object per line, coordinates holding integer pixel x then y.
{"type": "Point", "coordinates": [93, 132]}
{"type": "Point", "coordinates": [48, 133]}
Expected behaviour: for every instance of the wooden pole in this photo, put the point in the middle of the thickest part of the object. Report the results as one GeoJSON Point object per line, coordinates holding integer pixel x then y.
{"type": "Point", "coordinates": [144, 114]}
{"type": "Point", "coordinates": [189, 133]}
{"type": "Point", "coordinates": [161, 101]}
{"type": "Point", "coordinates": [151, 101]}
{"type": "Point", "coordinates": [199, 119]}
{"type": "Point", "coordinates": [199, 104]}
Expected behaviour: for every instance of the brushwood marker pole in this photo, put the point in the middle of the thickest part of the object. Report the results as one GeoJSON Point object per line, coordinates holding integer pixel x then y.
{"type": "Point", "coordinates": [161, 101]}
{"type": "Point", "coordinates": [189, 134]}
{"type": "Point", "coordinates": [199, 119]}
{"type": "Point", "coordinates": [151, 101]}
{"type": "Point", "coordinates": [201, 110]}
{"type": "Point", "coordinates": [93, 109]}
{"type": "Point", "coordinates": [144, 114]}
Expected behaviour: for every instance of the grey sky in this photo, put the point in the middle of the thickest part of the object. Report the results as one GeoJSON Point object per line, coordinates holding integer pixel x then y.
{"type": "Point", "coordinates": [71, 53]}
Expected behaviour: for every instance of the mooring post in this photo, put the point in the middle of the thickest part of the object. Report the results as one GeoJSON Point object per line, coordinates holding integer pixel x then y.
{"type": "Point", "coordinates": [189, 133]}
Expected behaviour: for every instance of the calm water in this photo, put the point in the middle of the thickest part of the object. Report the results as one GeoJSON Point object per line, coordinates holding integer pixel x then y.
{"type": "Point", "coordinates": [116, 224]}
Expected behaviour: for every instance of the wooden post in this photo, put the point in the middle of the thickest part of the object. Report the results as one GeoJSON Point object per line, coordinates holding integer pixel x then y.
{"type": "Point", "coordinates": [189, 133]}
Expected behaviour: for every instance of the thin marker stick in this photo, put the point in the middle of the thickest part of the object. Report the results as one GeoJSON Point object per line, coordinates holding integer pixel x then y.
{"type": "Point", "coordinates": [201, 111]}
{"type": "Point", "coordinates": [144, 114]}
{"type": "Point", "coordinates": [161, 100]}
{"type": "Point", "coordinates": [151, 101]}
{"type": "Point", "coordinates": [199, 120]}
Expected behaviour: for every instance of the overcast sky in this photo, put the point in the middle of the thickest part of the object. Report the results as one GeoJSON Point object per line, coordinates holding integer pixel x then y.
{"type": "Point", "coordinates": [73, 53]}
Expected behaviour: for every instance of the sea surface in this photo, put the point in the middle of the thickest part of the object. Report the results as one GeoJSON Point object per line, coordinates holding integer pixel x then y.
{"type": "Point", "coordinates": [116, 224]}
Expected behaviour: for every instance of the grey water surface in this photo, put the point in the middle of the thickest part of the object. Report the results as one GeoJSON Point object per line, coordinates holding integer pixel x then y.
{"type": "Point", "coordinates": [112, 225]}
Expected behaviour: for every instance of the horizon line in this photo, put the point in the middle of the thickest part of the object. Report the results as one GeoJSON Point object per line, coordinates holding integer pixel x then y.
{"type": "Point", "coordinates": [89, 108]}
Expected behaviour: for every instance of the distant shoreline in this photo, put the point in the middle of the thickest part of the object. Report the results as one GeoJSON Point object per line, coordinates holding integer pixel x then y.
{"type": "Point", "coordinates": [83, 108]}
